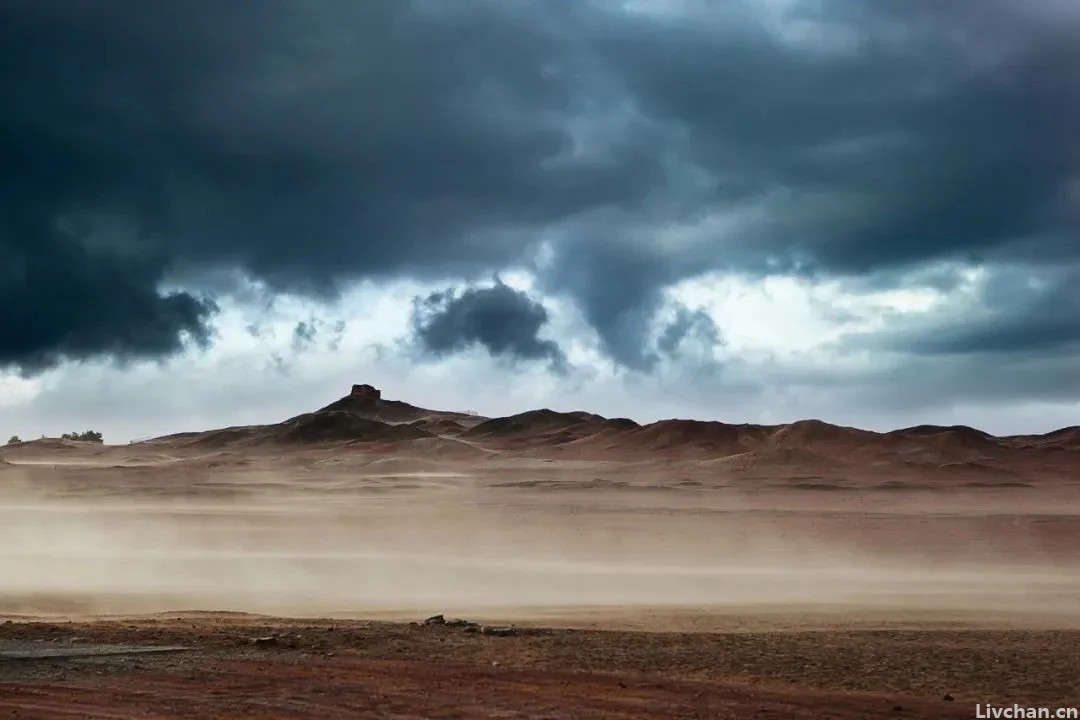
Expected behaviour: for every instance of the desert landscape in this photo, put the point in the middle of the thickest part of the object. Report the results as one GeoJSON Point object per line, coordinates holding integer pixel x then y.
{"type": "Point", "coordinates": [560, 360]}
{"type": "Point", "coordinates": [547, 564]}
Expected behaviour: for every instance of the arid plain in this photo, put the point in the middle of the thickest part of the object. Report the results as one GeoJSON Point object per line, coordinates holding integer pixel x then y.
{"type": "Point", "coordinates": [679, 569]}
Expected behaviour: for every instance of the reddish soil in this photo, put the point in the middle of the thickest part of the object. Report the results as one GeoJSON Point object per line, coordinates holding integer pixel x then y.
{"type": "Point", "coordinates": [323, 689]}
{"type": "Point", "coordinates": [345, 669]}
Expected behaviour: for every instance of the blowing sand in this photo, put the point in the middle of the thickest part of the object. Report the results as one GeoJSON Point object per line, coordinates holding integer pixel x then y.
{"type": "Point", "coordinates": [314, 541]}
{"type": "Point", "coordinates": [712, 593]}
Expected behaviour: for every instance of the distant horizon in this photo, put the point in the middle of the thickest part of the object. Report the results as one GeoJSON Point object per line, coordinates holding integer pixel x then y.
{"type": "Point", "coordinates": [955, 426]}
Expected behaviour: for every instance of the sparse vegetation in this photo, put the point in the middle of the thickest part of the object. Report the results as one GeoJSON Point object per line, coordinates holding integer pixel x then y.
{"type": "Point", "coordinates": [88, 436]}
{"type": "Point", "coordinates": [13, 440]}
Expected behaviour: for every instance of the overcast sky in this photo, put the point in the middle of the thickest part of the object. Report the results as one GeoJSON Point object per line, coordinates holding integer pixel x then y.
{"type": "Point", "coordinates": [217, 212]}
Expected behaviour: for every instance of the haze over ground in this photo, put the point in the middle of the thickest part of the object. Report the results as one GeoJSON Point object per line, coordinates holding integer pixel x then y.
{"type": "Point", "coordinates": [374, 505]}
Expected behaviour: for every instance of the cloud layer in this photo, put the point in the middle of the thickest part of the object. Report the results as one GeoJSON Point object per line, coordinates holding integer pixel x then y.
{"type": "Point", "coordinates": [504, 321]}
{"type": "Point", "coordinates": [610, 150]}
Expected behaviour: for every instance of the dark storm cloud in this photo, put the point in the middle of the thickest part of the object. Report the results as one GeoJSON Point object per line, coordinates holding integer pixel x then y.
{"type": "Point", "coordinates": [1015, 312]}
{"type": "Point", "coordinates": [308, 144]}
{"type": "Point", "coordinates": [1014, 335]}
{"type": "Point", "coordinates": [305, 144]}
{"type": "Point", "coordinates": [504, 321]}
{"type": "Point", "coordinates": [618, 283]}
{"type": "Point", "coordinates": [688, 325]}
{"type": "Point", "coordinates": [889, 135]}
{"type": "Point", "coordinates": [304, 334]}
{"type": "Point", "coordinates": [60, 299]}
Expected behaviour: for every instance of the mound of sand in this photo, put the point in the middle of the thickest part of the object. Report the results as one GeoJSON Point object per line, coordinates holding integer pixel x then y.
{"type": "Point", "coordinates": [693, 436]}
{"type": "Point", "coordinates": [330, 426]}
{"type": "Point", "coordinates": [533, 422]}
{"type": "Point", "coordinates": [53, 445]}
{"type": "Point", "coordinates": [227, 436]}
{"type": "Point", "coordinates": [439, 426]}
{"type": "Point", "coordinates": [619, 424]}
{"type": "Point", "coordinates": [791, 458]}
{"type": "Point", "coordinates": [808, 433]}
{"type": "Point", "coordinates": [438, 448]}
{"type": "Point", "coordinates": [396, 464]}
{"type": "Point", "coordinates": [962, 430]}
{"type": "Point", "coordinates": [596, 440]}
{"type": "Point", "coordinates": [956, 438]}
{"type": "Point", "coordinates": [1067, 438]}
{"type": "Point", "coordinates": [978, 469]}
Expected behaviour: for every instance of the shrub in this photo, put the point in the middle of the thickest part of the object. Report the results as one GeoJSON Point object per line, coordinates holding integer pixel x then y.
{"type": "Point", "coordinates": [88, 436]}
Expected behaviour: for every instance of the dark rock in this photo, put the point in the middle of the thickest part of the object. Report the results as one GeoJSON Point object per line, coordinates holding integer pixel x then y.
{"type": "Point", "coordinates": [947, 697]}
{"type": "Point", "coordinates": [366, 391]}
{"type": "Point", "coordinates": [436, 620]}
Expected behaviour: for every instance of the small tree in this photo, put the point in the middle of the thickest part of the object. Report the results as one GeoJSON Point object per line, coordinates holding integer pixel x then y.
{"type": "Point", "coordinates": [88, 436]}
{"type": "Point", "coordinates": [14, 440]}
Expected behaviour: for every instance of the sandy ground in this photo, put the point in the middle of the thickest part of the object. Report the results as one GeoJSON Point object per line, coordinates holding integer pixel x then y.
{"type": "Point", "coordinates": [637, 590]}
{"type": "Point", "coordinates": [335, 668]}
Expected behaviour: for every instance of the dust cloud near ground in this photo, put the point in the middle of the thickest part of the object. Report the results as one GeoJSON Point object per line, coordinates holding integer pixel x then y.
{"type": "Point", "coordinates": [580, 541]}
{"type": "Point", "coordinates": [805, 572]}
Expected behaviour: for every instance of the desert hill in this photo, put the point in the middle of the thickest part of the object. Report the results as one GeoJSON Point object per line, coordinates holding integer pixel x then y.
{"type": "Point", "coordinates": [1067, 438]}
{"type": "Point", "coordinates": [365, 401]}
{"type": "Point", "coordinates": [363, 421]}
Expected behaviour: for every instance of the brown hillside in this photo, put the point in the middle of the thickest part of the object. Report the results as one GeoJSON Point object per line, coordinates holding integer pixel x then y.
{"type": "Point", "coordinates": [531, 423]}
{"type": "Point", "coordinates": [366, 401]}
{"type": "Point", "coordinates": [957, 443]}
{"type": "Point", "coordinates": [377, 426]}
{"type": "Point", "coordinates": [330, 426]}
{"type": "Point", "coordinates": [931, 430]}
{"type": "Point", "coordinates": [439, 425]}
{"type": "Point", "coordinates": [1067, 438]}
{"type": "Point", "coordinates": [818, 433]}
{"type": "Point", "coordinates": [694, 436]}
{"type": "Point", "coordinates": [224, 437]}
